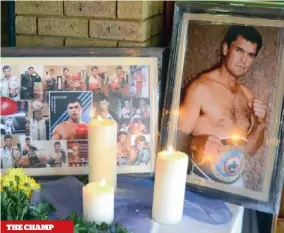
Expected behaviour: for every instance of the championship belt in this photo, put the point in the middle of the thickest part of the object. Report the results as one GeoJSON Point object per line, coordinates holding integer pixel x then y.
{"type": "Point", "coordinates": [228, 166]}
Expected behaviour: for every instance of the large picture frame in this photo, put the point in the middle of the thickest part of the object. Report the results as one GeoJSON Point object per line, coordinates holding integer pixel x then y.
{"type": "Point", "coordinates": [43, 134]}
{"type": "Point", "coordinates": [224, 101]}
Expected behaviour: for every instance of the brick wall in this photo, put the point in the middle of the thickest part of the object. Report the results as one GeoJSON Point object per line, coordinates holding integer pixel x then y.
{"type": "Point", "coordinates": [89, 24]}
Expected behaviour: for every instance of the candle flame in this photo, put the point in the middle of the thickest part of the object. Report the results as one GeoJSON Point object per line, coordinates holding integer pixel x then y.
{"type": "Point", "coordinates": [100, 118]}
{"type": "Point", "coordinates": [170, 149]}
{"type": "Point", "coordinates": [103, 182]}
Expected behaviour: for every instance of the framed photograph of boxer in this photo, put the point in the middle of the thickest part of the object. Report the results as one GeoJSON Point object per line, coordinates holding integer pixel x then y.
{"type": "Point", "coordinates": [69, 87]}
{"type": "Point", "coordinates": [224, 100]}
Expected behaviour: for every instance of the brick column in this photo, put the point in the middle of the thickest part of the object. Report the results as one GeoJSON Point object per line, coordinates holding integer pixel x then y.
{"type": "Point", "coordinates": [89, 24]}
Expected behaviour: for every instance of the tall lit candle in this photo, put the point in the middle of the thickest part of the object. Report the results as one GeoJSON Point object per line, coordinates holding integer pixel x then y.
{"type": "Point", "coordinates": [102, 146]}
{"type": "Point", "coordinates": [169, 187]}
{"type": "Point", "coordinates": [98, 202]}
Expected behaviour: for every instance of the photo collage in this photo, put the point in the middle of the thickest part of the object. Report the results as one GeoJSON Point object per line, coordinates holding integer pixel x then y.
{"type": "Point", "coordinates": [45, 110]}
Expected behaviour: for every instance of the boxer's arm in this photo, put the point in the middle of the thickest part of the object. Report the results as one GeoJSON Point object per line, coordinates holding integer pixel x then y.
{"type": "Point", "coordinates": [37, 79]}
{"type": "Point", "coordinates": [188, 116]}
{"type": "Point", "coordinates": [56, 133]}
{"type": "Point", "coordinates": [120, 114]}
{"type": "Point", "coordinates": [133, 155]}
{"type": "Point", "coordinates": [256, 136]}
{"type": "Point", "coordinates": [256, 139]}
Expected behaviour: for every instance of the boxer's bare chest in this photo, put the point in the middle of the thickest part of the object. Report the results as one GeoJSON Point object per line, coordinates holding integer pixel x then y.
{"type": "Point", "coordinates": [58, 157]}
{"type": "Point", "coordinates": [68, 131]}
{"type": "Point", "coordinates": [227, 109]}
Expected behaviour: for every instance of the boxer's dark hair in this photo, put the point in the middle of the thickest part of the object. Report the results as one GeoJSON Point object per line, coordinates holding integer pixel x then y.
{"type": "Point", "coordinates": [7, 137]}
{"type": "Point", "coordinates": [64, 69]}
{"type": "Point", "coordinates": [94, 68]}
{"type": "Point", "coordinates": [119, 68]}
{"type": "Point", "coordinates": [27, 139]}
{"type": "Point", "coordinates": [31, 68]}
{"type": "Point", "coordinates": [104, 98]}
{"type": "Point", "coordinates": [57, 143]}
{"type": "Point", "coordinates": [6, 68]}
{"type": "Point", "coordinates": [122, 133]}
{"type": "Point", "coordinates": [126, 99]}
{"type": "Point", "coordinates": [75, 100]}
{"type": "Point", "coordinates": [51, 70]}
{"type": "Point", "coordinates": [248, 32]}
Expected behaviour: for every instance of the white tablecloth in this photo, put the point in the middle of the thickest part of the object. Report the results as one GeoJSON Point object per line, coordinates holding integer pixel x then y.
{"type": "Point", "coordinates": [189, 225]}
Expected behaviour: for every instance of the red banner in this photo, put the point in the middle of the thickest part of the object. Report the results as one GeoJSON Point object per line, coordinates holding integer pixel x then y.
{"type": "Point", "coordinates": [57, 226]}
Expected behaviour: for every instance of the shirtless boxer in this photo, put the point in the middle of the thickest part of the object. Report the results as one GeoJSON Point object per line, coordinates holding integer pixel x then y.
{"type": "Point", "coordinates": [58, 156]}
{"type": "Point", "coordinates": [139, 82]}
{"type": "Point", "coordinates": [67, 76]}
{"type": "Point", "coordinates": [136, 127]}
{"type": "Point", "coordinates": [68, 130]}
{"type": "Point", "coordinates": [95, 81]}
{"type": "Point", "coordinates": [114, 83]}
{"type": "Point", "coordinates": [124, 113]}
{"type": "Point", "coordinates": [123, 148]}
{"type": "Point", "coordinates": [9, 127]}
{"type": "Point", "coordinates": [140, 152]}
{"type": "Point", "coordinates": [217, 105]}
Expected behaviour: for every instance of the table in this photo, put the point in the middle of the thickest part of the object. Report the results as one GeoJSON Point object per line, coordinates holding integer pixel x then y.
{"type": "Point", "coordinates": [133, 206]}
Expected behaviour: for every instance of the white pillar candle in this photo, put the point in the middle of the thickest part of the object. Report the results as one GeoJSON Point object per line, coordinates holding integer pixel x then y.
{"type": "Point", "coordinates": [102, 146]}
{"type": "Point", "coordinates": [169, 186]}
{"type": "Point", "coordinates": [98, 202]}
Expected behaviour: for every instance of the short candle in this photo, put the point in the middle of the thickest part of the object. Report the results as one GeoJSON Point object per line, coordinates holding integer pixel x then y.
{"type": "Point", "coordinates": [98, 202]}
{"type": "Point", "coordinates": [169, 187]}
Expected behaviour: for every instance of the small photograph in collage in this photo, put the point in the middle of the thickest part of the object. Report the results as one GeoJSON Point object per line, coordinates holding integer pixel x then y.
{"type": "Point", "coordinates": [57, 154]}
{"type": "Point", "coordinates": [38, 121]}
{"type": "Point", "coordinates": [11, 82]}
{"type": "Point", "coordinates": [10, 151]}
{"type": "Point", "coordinates": [77, 153]}
{"type": "Point", "coordinates": [140, 149]}
{"type": "Point", "coordinates": [104, 109]}
{"type": "Point", "coordinates": [70, 113]}
{"type": "Point", "coordinates": [34, 153]}
{"type": "Point", "coordinates": [14, 124]}
{"type": "Point", "coordinates": [139, 81]}
{"type": "Point", "coordinates": [132, 149]}
{"type": "Point", "coordinates": [97, 80]}
{"type": "Point", "coordinates": [134, 116]}
{"type": "Point", "coordinates": [31, 82]}
{"type": "Point", "coordinates": [118, 81]}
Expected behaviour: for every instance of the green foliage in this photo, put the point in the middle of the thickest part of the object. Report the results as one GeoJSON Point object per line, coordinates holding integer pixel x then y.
{"type": "Point", "coordinates": [40, 210]}
{"type": "Point", "coordinates": [80, 226]}
{"type": "Point", "coordinates": [15, 205]}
